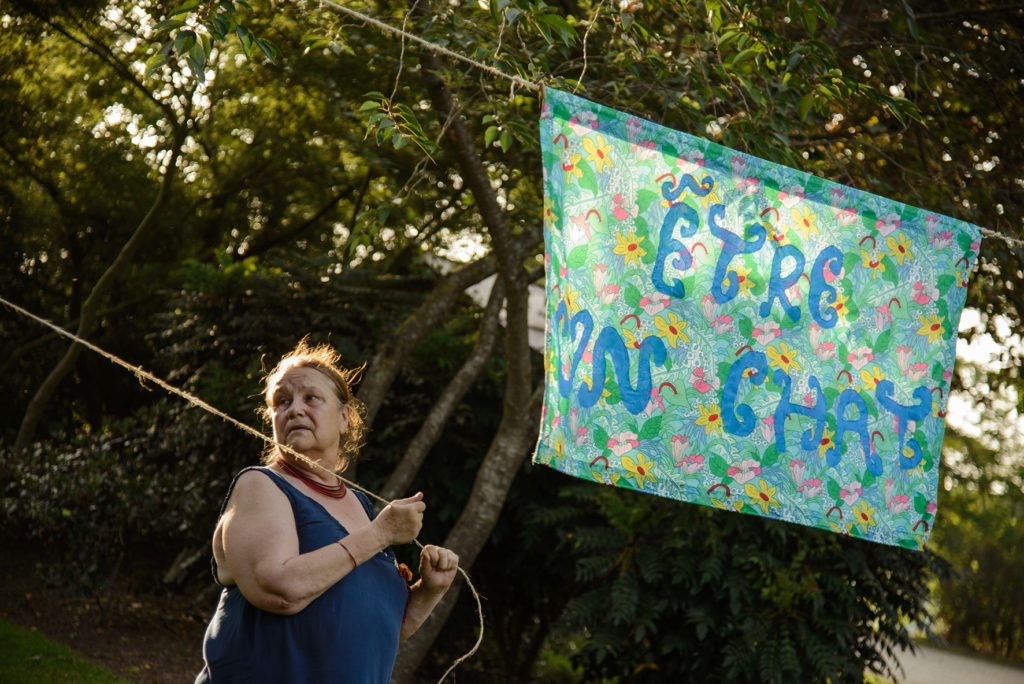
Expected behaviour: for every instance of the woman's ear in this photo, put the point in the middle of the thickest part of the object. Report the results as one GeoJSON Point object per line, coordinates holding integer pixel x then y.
{"type": "Point", "coordinates": [345, 413]}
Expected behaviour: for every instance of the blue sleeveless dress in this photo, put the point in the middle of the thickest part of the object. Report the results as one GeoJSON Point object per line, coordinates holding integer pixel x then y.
{"type": "Point", "coordinates": [347, 634]}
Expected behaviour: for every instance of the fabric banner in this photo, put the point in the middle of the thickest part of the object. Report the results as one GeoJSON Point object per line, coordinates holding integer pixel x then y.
{"type": "Point", "coordinates": [730, 332]}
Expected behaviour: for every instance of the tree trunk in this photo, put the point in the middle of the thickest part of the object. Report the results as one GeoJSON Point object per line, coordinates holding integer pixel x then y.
{"type": "Point", "coordinates": [90, 309]}
{"type": "Point", "coordinates": [403, 475]}
{"type": "Point", "coordinates": [517, 429]}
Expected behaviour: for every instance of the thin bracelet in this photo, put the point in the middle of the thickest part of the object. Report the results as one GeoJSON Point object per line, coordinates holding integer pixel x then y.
{"type": "Point", "coordinates": [353, 558]}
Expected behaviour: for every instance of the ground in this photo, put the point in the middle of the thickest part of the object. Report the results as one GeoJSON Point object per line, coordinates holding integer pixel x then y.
{"type": "Point", "coordinates": [151, 638]}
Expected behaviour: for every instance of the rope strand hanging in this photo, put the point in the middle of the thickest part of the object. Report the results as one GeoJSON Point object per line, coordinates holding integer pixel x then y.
{"type": "Point", "coordinates": [144, 375]}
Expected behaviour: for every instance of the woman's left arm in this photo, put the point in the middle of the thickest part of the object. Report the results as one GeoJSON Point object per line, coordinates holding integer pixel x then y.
{"type": "Point", "coordinates": [437, 570]}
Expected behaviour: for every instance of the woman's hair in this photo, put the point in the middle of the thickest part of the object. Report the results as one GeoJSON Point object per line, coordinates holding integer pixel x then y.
{"type": "Point", "coordinates": [325, 359]}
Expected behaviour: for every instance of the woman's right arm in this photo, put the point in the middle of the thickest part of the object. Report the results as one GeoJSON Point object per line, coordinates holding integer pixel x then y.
{"type": "Point", "coordinates": [257, 548]}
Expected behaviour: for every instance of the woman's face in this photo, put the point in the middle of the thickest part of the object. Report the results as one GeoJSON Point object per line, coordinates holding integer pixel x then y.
{"type": "Point", "coordinates": [306, 413]}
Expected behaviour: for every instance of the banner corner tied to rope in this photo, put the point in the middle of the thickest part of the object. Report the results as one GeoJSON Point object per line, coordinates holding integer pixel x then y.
{"type": "Point", "coordinates": [731, 332]}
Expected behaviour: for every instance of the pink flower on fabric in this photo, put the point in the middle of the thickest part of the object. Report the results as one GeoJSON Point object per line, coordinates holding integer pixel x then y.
{"type": "Point", "coordinates": [903, 357]}
{"type": "Point", "coordinates": [846, 216]}
{"type": "Point", "coordinates": [837, 196]}
{"type": "Point", "coordinates": [923, 294]}
{"type": "Point", "coordinates": [722, 324]}
{"type": "Point", "coordinates": [860, 357]}
{"type": "Point", "coordinates": [916, 371]}
{"type": "Point", "coordinates": [890, 485]}
{"type": "Point", "coordinates": [791, 196]}
{"type": "Point", "coordinates": [931, 507]}
{"type": "Point", "coordinates": [710, 307]}
{"type": "Point", "coordinates": [826, 351]}
{"type": "Point", "coordinates": [767, 428]}
{"type": "Point", "coordinates": [621, 213]}
{"type": "Point", "coordinates": [811, 488]}
{"type": "Point", "coordinates": [766, 332]}
{"type": "Point", "coordinates": [796, 469]}
{"type": "Point", "coordinates": [744, 471]}
{"type": "Point", "coordinates": [678, 444]}
{"type": "Point", "coordinates": [609, 294]}
{"type": "Point", "coordinates": [942, 240]}
{"type": "Point", "coordinates": [691, 464]}
{"type": "Point", "coordinates": [887, 224]}
{"type": "Point", "coordinates": [898, 504]}
{"type": "Point", "coordinates": [655, 402]}
{"type": "Point", "coordinates": [850, 492]}
{"type": "Point", "coordinates": [600, 275]}
{"type": "Point", "coordinates": [654, 303]}
{"type": "Point", "coordinates": [747, 186]}
{"type": "Point", "coordinates": [815, 332]}
{"type": "Point", "coordinates": [700, 383]}
{"type": "Point", "coordinates": [622, 442]}
{"type": "Point", "coordinates": [739, 166]}
{"type": "Point", "coordinates": [882, 317]}
{"type": "Point", "coordinates": [691, 162]}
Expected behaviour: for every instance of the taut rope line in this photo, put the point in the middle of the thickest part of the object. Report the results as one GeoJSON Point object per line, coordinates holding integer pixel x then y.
{"type": "Point", "coordinates": [143, 374]}
{"type": "Point", "coordinates": [432, 46]}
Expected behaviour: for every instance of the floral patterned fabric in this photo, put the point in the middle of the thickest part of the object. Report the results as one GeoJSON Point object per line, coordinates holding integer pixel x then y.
{"type": "Point", "coordinates": [735, 333]}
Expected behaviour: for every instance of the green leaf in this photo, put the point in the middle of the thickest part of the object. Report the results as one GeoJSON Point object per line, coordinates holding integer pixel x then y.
{"type": "Point", "coordinates": [806, 102]}
{"type": "Point", "coordinates": [490, 135]}
{"type": "Point", "coordinates": [184, 8]}
{"type": "Point", "coordinates": [882, 342]}
{"type": "Point", "coordinates": [577, 257]}
{"type": "Point", "coordinates": [184, 41]}
{"type": "Point", "coordinates": [651, 428]}
{"type": "Point", "coordinates": [833, 488]}
{"type": "Point", "coordinates": [268, 49]}
{"type": "Point", "coordinates": [718, 466]}
{"type": "Point", "coordinates": [167, 25]}
{"type": "Point", "coordinates": [505, 140]}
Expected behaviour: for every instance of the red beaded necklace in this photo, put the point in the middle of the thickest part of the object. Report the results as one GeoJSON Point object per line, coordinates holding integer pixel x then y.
{"type": "Point", "coordinates": [337, 491]}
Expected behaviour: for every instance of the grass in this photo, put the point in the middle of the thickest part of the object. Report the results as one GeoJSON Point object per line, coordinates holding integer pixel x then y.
{"type": "Point", "coordinates": [27, 657]}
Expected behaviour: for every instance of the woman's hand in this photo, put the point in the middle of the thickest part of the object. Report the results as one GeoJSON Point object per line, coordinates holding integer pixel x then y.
{"type": "Point", "coordinates": [401, 520]}
{"type": "Point", "coordinates": [437, 568]}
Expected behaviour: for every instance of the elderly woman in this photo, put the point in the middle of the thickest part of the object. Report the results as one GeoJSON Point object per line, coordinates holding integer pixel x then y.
{"type": "Point", "coordinates": [312, 591]}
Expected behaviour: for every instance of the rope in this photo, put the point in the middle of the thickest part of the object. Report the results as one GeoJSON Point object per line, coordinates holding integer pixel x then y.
{"type": "Point", "coordinates": [433, 46]}
{"type": "Point", "coordinates": [143, 374]}
{"type": "Point", "coordinates": [1012, 241]}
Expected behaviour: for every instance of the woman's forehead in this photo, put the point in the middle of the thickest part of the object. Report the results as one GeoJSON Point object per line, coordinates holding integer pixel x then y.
{"type": "Point", "coordinates": [298, 378]}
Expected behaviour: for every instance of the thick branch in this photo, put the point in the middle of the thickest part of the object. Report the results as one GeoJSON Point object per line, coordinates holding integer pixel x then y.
{"type": "Point", "coordinates": [385, 365]}
{"type": "Point", "coordinates": [402, 476]}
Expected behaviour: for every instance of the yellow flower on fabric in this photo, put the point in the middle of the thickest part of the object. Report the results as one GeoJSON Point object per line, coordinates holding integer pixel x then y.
{"type": "Point", "coordinates": [871, 379]}
{"type": "Point", "coordinates": [571, 295]}
{"type": "Point", "coordinates": [783, 357]}
{"type": "Point", "coordinates": [550, 218]}
{"type": "Point", "coordinates": [710, 418]}
{"type": "Point", "coordinates": [632, 341]}
{"type": "Point", "coordinates": [671, 329]}
{"type": "Point", "coordinates": [840, 305]}
{"type": "Point", "coordinates": [598, 153]}
{"type": "Point", "coordinates": [805, 221]}
{"type": "Point", "coordinates": [872, 260]}
{"type": "Point", "coordinates": [744, 283]}
{"type": "Point", "coordinates": [559, 447]}
{"type": "Point", "coordinates": [899, 248]}
{"type": "Point", "coordinates": [711, 198]}
{"type": "Point", "coordinates": [826, 442]}
{"type": "Point", "coordinates": [762, 495]}
{"type": "Point", "coordinates": [640, 469]}
{"type": "Point", "coordinates": [629, 247]}
{"type": "Point", "coordinates": [932, 327]}
{"type": "Point", "coordinates": [864, 515]}
{"type": "Point", "coordinates": [572, 169]}
{"type": "Point", "coordinates": [605, 392]}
